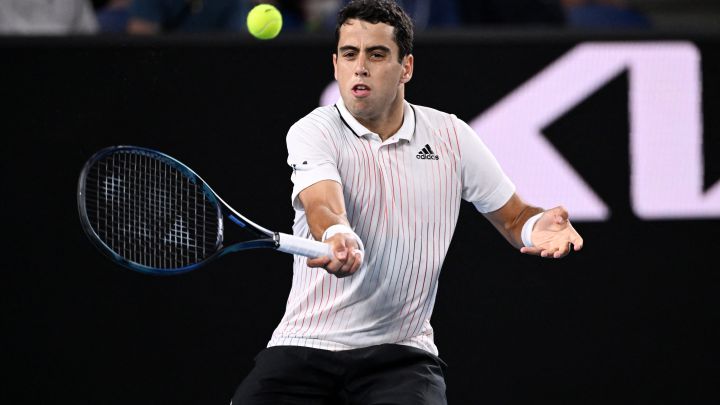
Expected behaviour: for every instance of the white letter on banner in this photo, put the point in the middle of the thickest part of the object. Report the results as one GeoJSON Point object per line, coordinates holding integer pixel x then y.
{"type": "Point", "coordinates": [665, 124]}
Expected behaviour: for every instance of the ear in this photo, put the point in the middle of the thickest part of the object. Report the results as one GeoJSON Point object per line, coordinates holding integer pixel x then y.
{"type": "Point", "coordinates": [408, 64]}
{"type": "Point", "coordinates": [335, 65]}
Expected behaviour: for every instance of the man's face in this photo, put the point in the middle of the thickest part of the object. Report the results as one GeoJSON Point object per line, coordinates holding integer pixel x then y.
{"type": "Point", "coordinates": [367, 69]}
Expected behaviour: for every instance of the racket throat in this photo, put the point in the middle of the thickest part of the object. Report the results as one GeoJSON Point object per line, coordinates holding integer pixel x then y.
{"type": "Point", "coordinates": [276, 239]}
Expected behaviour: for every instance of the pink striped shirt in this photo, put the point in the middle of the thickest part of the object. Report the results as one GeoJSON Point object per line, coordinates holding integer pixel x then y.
{"type": "Point", "coordinates": [402, 198]}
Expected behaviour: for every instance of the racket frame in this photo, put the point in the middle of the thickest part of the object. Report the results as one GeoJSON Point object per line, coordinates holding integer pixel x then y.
{"type": "Point", "coordinates": [266, 238]}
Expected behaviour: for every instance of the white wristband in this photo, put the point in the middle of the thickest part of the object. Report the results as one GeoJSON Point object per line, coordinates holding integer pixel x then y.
{"type": "Point", "coordinates": [528, 228]}
{"type": "Point", "coordinates": [340, 228]}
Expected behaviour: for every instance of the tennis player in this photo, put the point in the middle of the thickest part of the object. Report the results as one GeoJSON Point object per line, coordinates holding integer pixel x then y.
{"type": "Point", "coordinates": [381, 180]}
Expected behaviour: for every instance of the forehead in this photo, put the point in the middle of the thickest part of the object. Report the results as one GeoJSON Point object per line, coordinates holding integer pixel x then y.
{"type": "Point", "coordinates": [363, 34]}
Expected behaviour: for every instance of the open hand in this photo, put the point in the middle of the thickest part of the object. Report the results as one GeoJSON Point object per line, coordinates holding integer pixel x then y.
{"type": "Point", "coordinates": [553, 236]}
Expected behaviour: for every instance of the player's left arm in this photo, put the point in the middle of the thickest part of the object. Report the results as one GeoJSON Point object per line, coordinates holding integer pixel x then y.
{"type": "Point", "coordinates": [546, 233]}
{"type": "Point", "coordinates": [552, 235]}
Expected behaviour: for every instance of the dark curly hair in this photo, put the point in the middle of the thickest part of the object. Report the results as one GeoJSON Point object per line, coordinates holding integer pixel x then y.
{"type": "Point", "coordinates": [380, 11]}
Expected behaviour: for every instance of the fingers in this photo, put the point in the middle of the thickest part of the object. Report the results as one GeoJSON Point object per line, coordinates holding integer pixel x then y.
{"type": "Point", "coordinates": [562, 251]}
{"type": "Point", "coordinates": [344, 263]}
{"type": "Point", "coordinates": [318, 261]}
{"type": "Point", "coordinates": [346, 260]}
{"type": "Point", "coordinates": [556, 238]}
{"type": "Point", "coordinates": [351, 265]}
{"type": "Point", "coordinates": [555, 252]}
{"type": "Point", "coordinates": [578, 243]}
{"type": "Point", "coordinates": [347, 263]}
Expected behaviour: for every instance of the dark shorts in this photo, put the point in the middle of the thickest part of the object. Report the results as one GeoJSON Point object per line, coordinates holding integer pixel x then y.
{"type": "Point", "coordinates": [385, 374]}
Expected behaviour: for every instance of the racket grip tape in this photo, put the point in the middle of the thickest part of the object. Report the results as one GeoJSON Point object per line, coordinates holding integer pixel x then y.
{"type": "Point", "coordinates": [301, 246]}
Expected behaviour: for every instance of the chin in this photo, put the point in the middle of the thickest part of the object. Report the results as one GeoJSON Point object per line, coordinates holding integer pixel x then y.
{"type": "Point", "coordinates": [362, 113]}
{"type": "Point", "coordinates": [359, 107]}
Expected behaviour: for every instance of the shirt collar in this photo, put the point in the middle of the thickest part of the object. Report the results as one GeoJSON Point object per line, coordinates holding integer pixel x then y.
{"type": "Point", "coordinates": [406, 131]}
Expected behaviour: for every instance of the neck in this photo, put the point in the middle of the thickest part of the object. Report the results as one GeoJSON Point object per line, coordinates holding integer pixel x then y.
{"type": "Point", "coordinates": [388, 123]}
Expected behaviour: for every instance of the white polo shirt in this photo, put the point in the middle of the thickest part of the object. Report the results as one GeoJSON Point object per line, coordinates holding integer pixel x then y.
{"type": "Point", "coordinates": [402, 198]}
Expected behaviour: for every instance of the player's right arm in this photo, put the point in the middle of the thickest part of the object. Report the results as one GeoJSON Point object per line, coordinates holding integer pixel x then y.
{"type": "Point", "coordinates": [317, 191]}
{"type": "Point", "coordinates": [324, 207]}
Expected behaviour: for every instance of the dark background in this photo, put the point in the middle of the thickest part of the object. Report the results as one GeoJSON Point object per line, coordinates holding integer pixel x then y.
{"type": "Point", "coordinates": [633, 318]}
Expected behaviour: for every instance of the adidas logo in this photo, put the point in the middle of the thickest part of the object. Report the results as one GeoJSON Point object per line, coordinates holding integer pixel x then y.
{"type": "Point", "coordinates": [427, 153]}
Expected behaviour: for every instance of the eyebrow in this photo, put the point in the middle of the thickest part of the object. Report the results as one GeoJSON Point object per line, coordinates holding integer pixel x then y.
{"type": "Point", "coordinates": [368, 49]}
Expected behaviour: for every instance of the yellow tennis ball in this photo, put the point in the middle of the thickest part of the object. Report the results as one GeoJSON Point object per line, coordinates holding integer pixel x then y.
{"type": "Point", "coordinates": [264, 21]}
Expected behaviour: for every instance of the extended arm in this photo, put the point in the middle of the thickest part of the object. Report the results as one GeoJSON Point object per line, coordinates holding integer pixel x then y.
{"type": "Point", "coordinates": [324, 207]}
{"type": "Point", "coordinates": [552, 235]}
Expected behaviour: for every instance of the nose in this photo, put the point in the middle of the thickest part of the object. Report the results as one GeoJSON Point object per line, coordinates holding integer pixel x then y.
{"type": "Point", "coordinates": [360, 69]}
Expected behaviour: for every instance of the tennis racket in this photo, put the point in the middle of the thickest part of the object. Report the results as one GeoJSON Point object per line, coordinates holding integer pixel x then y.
{"type": "Point", "coordinates": [152, 214]}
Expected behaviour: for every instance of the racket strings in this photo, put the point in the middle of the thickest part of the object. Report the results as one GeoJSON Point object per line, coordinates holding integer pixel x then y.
{"type": "Point", "coordinates": [149, 212]}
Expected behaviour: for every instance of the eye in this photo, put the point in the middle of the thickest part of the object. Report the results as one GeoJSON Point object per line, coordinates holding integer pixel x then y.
{"type": "Point", "coordinates": [377, 55]}
{"type": "Point", "coordinates": [348, 54]}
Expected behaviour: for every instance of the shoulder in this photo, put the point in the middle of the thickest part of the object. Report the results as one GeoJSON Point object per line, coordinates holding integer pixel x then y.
{"type": "Point", "coordinates": [434, 118]}
{"type": "Point", "coordinates": [317, 128]}
{"type": "Point", "coordinates": [320, 118]}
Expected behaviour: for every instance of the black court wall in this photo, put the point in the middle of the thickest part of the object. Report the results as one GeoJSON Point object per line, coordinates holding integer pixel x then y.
{"type": "Point", "coordinates": [628, 130]}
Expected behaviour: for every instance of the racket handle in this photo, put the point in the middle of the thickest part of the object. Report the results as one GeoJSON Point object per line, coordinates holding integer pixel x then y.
{"type": "Point", "coordinates": [301, 246]}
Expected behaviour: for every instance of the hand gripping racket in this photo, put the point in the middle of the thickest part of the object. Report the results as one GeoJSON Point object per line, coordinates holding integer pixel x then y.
{"type": "Point", "coordinates": [151, 213]}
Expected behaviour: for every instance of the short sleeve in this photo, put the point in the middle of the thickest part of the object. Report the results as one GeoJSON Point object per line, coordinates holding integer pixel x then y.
{"type": "Point", "coordinates": [483, 181]}
{"type": "Point", "coordinates": [311, 157]}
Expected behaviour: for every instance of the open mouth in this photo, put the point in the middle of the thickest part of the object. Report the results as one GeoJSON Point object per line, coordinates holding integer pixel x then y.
{"type": "Point", "coordinates": [360, 90]}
